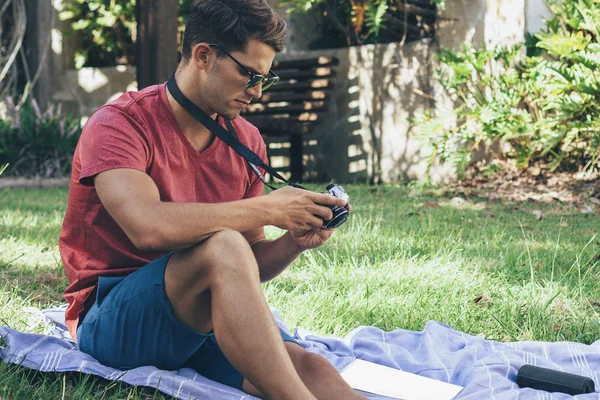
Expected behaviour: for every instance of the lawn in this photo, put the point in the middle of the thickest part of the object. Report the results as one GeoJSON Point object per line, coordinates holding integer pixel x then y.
{"type": "Point", "coordinates": [405, 256]}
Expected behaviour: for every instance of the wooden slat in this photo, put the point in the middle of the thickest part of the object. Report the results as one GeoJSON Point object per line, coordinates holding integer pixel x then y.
{"type": "Point", "coordinates": [298, 97]}
{"type": "Point", "coordinates": [285, 151]}
{"type": "Point", "coordinates": [280, 140]}
{"type": "Point", "coordinates": [357, 158]}
{"type": "Point", "coordinates": [268, 120]}
{"type": "Point", "coordinates": [306, 63]}
{"type": "Point", "coordinates": [285, 108]}
{"type": "Point", "coordinates": [280, 131]}
{"type": "Point", "coordinates": [316, 84]}
{"type": "Point", "coordinates": [315, 73]}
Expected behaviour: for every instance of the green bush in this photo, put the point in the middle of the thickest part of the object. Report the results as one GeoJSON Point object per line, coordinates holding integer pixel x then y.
{"type": "Point", "coordinates": [545, 106]}
{"type": "Point", "coordinates": [38, 144]}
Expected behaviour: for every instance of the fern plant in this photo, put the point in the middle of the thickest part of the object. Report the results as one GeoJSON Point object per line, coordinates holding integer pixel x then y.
{"type": "Point", "coordinates": [375, 16]}
{"type": "Point", "coordinates": [545, 107]}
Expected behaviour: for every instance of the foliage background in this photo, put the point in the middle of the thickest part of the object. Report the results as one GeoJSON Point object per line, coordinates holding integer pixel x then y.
{"type": "Point", "coordinates": [106, 30]}
{"type": "Point", "coordinates": [541, 99]}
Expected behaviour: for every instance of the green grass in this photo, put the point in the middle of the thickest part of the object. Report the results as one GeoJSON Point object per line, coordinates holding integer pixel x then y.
{"type": "Point", "coordinates": [399, 261]}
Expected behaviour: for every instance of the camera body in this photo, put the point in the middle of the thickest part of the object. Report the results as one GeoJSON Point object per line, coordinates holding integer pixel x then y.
{"type": "Point", "coordinates": [340, 214]}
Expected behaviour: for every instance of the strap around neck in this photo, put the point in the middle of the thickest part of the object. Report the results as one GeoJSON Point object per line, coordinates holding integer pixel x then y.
{"type": "Point", "coordinates": [230, 138]}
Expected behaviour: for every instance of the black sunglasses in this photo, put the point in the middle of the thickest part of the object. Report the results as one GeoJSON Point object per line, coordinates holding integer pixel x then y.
{"type": "Point", "coordinates": [255, 79]}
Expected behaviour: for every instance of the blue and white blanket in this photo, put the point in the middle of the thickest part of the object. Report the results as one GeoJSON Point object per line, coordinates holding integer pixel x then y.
{"type": "Point", "coordinates": [486, 369]}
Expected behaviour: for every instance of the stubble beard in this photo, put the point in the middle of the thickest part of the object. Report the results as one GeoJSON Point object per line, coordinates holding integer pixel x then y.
{"type": "Point", "coordinates": [219, 104]}
{"type": "Point", "coordinates": [220, 107]}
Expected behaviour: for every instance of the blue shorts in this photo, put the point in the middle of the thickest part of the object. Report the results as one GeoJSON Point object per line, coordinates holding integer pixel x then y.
{"type": "Point", "coordinates": [132, 324]}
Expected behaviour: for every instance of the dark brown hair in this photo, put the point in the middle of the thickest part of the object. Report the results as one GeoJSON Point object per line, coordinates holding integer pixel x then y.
{"type": "Point", "coordinates": [231, 24]}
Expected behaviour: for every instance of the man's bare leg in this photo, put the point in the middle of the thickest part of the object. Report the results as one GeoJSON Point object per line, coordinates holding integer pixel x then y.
{"type": "Point", "coordinates": [216, 285]}
{"type": "Point", "coordinates": [321, 378]}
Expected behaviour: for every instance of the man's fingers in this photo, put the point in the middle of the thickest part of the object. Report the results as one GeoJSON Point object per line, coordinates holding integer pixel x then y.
{"type": "Point", "coordinates": [322, 212]}
{"type": "Point", "coordinates": [327, 199]}
{"type": "Point", "coordinates": [316, 222]}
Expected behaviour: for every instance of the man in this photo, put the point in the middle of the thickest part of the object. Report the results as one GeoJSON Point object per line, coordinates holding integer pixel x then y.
{"type": "Point", "coordinates": [163, 239]}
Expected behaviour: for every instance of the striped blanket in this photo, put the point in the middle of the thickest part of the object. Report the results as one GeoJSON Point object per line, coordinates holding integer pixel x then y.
{"type": "Point", "coordinates": [486, 369]}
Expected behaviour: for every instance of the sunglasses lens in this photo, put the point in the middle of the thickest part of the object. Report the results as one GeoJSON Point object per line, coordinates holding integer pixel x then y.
{"type": "Point", "coordinates": [255, 80]}
{"type": "Point", "coordinates": [270, 82]}
{"type": "Point", "coordinates": [267, 84]}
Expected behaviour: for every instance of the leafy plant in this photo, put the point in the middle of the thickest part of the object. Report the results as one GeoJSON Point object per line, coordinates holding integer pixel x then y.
{"type": "Point", "coordinates": [375, 17]}
{"type": "Point", "coordinates": [104, 31]}
{"type": "Point", "coordinates": [36, 143]}
{"type": "Point", "coordinates": [544, 106]}
{"type": "Point", "coordinates": [352, 22]}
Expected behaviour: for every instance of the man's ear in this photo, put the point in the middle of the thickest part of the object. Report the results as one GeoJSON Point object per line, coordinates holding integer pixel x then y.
{"type": "Point", "coordinates": [202, 54]}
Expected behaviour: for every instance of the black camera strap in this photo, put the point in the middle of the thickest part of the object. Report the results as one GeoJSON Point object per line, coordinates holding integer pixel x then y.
{"type": "Point", "coordinates": [230, 138]}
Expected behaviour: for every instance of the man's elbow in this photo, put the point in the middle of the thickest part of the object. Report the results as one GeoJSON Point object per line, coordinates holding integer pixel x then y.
{"type": "Point", "coordinates": [148, 239]}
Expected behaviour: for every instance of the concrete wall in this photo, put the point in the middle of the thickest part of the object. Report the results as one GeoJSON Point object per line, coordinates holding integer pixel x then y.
{"type": "Point", "coordinates": [537, 11]}
{"type": "Point", "coordinates": [366, 134]}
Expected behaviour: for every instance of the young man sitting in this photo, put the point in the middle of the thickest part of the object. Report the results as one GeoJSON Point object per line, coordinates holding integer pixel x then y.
{"type": "Point", "coordinates": [163, 241]}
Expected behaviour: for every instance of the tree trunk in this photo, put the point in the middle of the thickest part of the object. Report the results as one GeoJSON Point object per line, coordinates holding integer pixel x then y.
{"type": "Point", "coordinates": [37, 43]}
{"type": "Point", "coordinates": [157, 57]}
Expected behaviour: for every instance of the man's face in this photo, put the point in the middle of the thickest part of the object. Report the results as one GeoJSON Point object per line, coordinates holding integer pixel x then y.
{"type": "Point", "coordinates": [225, 80]}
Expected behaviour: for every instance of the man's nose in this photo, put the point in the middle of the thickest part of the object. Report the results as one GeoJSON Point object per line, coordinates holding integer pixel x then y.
{"type": "Point", "coordinates": [255, 91]}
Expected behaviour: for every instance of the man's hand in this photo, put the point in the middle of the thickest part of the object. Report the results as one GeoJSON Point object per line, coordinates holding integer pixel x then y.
{"type": "Point", "coordinates": [301, 211]}
{"type": "Point", "coordinates": [312, 238]}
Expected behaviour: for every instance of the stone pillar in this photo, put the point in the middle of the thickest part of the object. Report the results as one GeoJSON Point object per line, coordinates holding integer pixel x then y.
{"type": "Point", "coordinates": [482, 21]}
{"type": "Point", "coordinates": [537, 12]}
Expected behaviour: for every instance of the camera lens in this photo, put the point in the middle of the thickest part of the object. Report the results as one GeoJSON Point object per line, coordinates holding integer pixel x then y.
{"type": "Point", "coordinates": [340, 214]}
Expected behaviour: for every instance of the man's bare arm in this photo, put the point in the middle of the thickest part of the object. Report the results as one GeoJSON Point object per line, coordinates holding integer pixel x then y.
{"type": "Point", "coordinates": [133, 200]}
{"type": "Point", "coordinates": [272, 256]}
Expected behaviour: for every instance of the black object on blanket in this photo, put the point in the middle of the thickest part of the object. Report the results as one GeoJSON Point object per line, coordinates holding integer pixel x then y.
{"type": "Point", "coordinates": [553, 381]}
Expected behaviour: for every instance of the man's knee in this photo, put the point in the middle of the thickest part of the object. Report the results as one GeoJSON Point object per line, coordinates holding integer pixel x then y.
{"type": "Point", "coordinates": [226, 241]}
{"type": "Point", "coordinates": [220, 252]}
{"type": "Point", "coordinates": [225, 253]}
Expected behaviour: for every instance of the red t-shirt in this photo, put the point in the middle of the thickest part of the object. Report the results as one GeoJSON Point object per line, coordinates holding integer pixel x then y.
{"type": "Point", "coordinates": [138, 130]}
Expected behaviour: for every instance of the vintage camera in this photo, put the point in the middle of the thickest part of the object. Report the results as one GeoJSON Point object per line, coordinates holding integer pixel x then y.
{"type": "Point", "coordinates": [340, 214]}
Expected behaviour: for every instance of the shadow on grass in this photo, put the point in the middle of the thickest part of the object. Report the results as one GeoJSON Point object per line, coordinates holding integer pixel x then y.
{"type": "Point", "coordinates": [42, 287]}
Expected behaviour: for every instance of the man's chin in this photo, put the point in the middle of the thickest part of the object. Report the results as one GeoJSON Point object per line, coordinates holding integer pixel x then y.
{"type": "Point", "coordinates": [231, 114]}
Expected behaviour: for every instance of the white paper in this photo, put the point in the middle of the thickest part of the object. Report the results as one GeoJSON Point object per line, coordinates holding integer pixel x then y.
{"type": "Point", "coordinates": [389, 382]}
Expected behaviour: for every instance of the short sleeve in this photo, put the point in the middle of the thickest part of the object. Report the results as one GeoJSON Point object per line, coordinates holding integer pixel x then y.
{"type": "Point", "coordinates": [112, 139]}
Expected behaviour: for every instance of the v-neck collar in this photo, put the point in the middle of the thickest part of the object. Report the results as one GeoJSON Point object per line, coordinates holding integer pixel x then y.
{"type": "Point", "coordinates": [198, 156]}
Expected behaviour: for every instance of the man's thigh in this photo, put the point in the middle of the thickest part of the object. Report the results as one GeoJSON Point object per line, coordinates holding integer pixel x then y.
{"type": "Point", "coordinates": [132, 323]}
